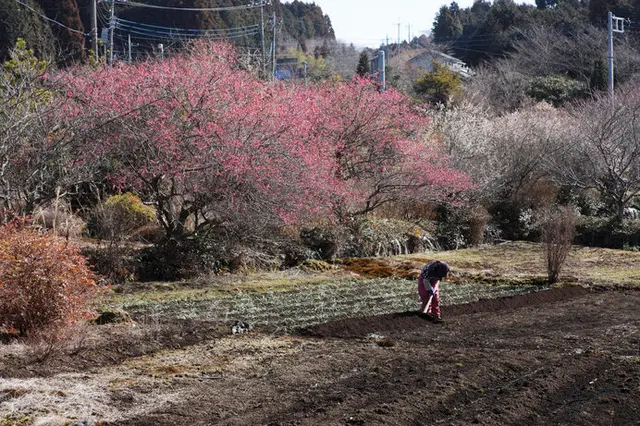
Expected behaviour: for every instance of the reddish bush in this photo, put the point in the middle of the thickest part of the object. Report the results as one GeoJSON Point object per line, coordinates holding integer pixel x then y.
{"type": "Point", "coordinates": [45, 284]}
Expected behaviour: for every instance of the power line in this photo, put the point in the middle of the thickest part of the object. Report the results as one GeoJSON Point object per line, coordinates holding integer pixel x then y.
{"type": "Point", "coordinates": [124, 28]}
{"type": "Point", "coordinates": [173, 33]}
{"type": "Point", "coordinates": [179, 36]}
{"type": "Point", "coordinates": [181, 29]}
{"type": "Point", "coordinates": [51, 20]}
{"type": "Point", "coordinates": [191, 9]}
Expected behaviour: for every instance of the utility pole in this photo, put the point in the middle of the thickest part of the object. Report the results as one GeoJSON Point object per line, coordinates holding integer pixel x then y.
{"type": "Point", "coordinates": [112, 24]}
{"type": "Point", "coordinates": [94, 29]}
{"type": "Point", "coordinates": [398, 24]}
{"type": "Point", "coordinates": [129, 40]}
{"type": "Point", "coordinates": [409, 33]}
{"type": "Point", "coordinates": [615, 25]}
{"type": "Point", "coordinates": [305, 64]}
{"type": "Point", "coordinates": [273, 69]}
{"type": "Point", "coordinates": [381, 66]}
{"type": "Point", "coordinates": [264, 53]}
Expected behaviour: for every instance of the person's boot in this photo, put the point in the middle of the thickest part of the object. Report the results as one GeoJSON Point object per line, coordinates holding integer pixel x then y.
{"type": "Point", "coordinates": [438, 320]}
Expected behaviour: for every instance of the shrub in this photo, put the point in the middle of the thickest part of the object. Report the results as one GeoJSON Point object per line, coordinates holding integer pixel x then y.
{"type": "Point", "coordinates": [323, 241]}
{"type": "Point", "coordinates": [45, 283]}
{"type": "Point", "coordinates": [557, 231]}
{"type": "Point", "coordinates": [119, 219]}
{"type": "Point", "coordinates": [176, 259]}
{"type": "Point", "coordinates": [385, 237]}
{"type": "Point", "coordinates": [441, 85]}
{"type": "Point", "coordinates": [556, 89]}
{"type": "Point", "coordinates": [115, 263]}
{"type": "Point", "coordinates": [608, 232]}
{"type": "Point", "coordinates": [120, 215]}
{"type": "Point", "coordinates": [478, 219]}
{"type": "Point", "coordinates": [513, 220]}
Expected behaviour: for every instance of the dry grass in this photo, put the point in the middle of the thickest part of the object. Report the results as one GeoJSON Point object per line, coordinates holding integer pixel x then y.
{"type": "Point", "coordinates": [136, 386]}
{"type": "Point", "coordinates": [517, 261]}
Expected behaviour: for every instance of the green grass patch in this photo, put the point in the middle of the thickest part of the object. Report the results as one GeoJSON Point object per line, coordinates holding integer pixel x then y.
{"type": "Point", "coordinates": [363, 287]}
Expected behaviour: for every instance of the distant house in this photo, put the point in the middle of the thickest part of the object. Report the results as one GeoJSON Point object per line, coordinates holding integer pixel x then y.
{"type": "Point", "coordinates": [425, 61]}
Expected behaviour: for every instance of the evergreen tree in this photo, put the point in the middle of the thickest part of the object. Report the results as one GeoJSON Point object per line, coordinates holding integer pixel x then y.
{"type": "Point", "coordinates": [67, 13]}
{"type": "Point", "coordinates": [439, 85]}
{"type": "Point", "coordinates": [446, 25]}
{"type": "Point", "coordinates": [363, 68]}
{"type": "Point", "coordinates": [598, 10]}
{"type": "Point", "coordinates": [599, 77]}
{"type": "Point", "coordinates": [19, 22]}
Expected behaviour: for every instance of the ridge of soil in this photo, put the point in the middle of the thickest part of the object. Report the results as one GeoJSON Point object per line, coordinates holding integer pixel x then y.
{"type": "Point", "coordinates": [361, 327]}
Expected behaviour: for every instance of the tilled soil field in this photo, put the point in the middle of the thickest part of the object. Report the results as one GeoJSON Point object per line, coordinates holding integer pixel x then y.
{"type": "Point", "coordinates": [569, 356]}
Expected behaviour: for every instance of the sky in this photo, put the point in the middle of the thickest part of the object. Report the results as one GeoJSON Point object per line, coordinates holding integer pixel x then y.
{"type": "Point", "coordinates": [369, 22]}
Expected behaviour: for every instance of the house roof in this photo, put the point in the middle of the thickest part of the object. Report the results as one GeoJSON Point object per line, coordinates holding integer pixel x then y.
{"type": "Point", "coordinates": [455, 64]}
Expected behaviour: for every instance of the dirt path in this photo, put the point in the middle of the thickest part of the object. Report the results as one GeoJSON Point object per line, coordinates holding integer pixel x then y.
{"type": "Point", "coordinates": [562, 357]}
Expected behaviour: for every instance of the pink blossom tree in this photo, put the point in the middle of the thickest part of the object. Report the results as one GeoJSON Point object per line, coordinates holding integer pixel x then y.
{"type": "Point", "coordinates": [380, 149]}
{"type": "Point", "coordinates": [207, 142]}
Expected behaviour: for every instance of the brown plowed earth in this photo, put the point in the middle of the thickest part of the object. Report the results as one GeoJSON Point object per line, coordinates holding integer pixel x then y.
{"type": "Point", "coordinates": [559, 357]}
{"type": "Point", "coordinates": [361, 327]}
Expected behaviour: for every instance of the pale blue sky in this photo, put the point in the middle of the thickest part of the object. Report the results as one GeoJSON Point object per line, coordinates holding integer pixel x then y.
{"type": "Point", "coordinates": [369, 22]}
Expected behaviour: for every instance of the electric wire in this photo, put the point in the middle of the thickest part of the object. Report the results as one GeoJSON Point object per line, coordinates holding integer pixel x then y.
{"type": "Point", "coordinates": [150, 32]}
{"type": "Point", "coordinates": [156, 36]}
{"type": "Point", "coordinates": [177, 36]}
{"type": "Point", "coordinates": [126, 21]}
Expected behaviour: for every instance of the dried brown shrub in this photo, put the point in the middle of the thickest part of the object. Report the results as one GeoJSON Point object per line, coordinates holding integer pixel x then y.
{"type": "Point", "coordinates": [557, 228]}
{"type": "Point", "coordinates": [45, 284]}
{"type": "Point", "coordinates": [478, 219]}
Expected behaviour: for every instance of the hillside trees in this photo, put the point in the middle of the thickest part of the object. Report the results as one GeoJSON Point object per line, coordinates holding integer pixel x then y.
{"type": "Point", "coordinates": [550, 65]}
{"type": "Point", "coordinates": [488, 30]}
{"type": "Point", "coordinates": [210, 145]}
{"type": "Point", "coordinates": [19, 22]}
{"type": "Point", "coordinates": [71, 43]}
{"type": "Point", "coordinates": [604, 152]}
{"type": "Point", "coordinates": [300, 21]}
{"type": "Point", "coordinates": [546, 51]}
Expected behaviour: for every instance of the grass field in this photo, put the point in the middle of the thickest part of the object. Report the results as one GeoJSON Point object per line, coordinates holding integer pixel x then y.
{"type": "Point", "coordinates": [282, 300]}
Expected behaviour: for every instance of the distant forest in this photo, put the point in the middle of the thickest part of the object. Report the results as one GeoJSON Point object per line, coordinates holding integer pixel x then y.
{"type": "Point", "coordinates": [488, 30]}
{"type": "Point", "coordinates": [297, 20]}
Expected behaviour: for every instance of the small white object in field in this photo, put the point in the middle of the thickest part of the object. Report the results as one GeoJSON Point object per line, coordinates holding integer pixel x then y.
{"type": "Point", "coordinates": [240, 327]}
